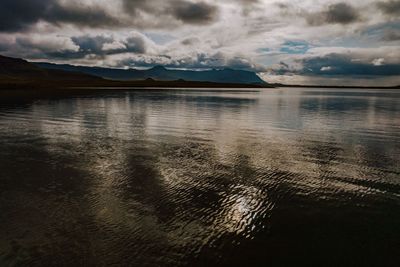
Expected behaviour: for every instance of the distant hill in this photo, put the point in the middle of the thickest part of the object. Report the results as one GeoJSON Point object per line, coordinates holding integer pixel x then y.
{"type": "Point", "coordinates": [160, 73]}
{"type": "Point", "coordinates": [19, 71]}
{"type": "Point", "coordinates": [16, 68]}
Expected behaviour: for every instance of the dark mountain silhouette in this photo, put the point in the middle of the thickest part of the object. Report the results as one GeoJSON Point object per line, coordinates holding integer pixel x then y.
{"type": "Point", "coordinates": [19, 71]}
{"type": "Point", "coordinates": [14, 68]}
{"type": "Point", "coordinates": [161, 73]}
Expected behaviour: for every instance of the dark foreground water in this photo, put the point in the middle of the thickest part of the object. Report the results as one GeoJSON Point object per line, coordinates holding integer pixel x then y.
{"type": "Point", "coordinates": [278, 177]}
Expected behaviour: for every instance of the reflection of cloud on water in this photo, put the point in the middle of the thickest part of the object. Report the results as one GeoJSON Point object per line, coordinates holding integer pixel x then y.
{"type": "Point", "coordinates": [187, 171]}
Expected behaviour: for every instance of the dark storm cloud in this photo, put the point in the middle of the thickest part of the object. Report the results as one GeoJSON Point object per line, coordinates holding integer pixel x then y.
{"type": "Point", "coordinates": [193, 13]}
{"type": "Point", "coordinates": [391, 8]}
{"type": "Point", "coordinates": [82, 16]}
{"type": "Point", "coordinates": [340, 13]}
{"type": "Point", "coordinates": [186, 11]}
{"type": "Point", "coordinates": [17, 15]}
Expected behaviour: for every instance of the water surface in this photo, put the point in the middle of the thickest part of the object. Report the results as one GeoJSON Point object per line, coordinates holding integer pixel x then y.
{"type": "Point", "coordinates": [272, 177]}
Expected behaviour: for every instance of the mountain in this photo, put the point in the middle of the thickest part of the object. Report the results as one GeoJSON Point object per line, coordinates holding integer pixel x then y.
{"type": "Point", "coordinates": [160, 73]}
{"type": "Point", "coordinates": [15, 68]}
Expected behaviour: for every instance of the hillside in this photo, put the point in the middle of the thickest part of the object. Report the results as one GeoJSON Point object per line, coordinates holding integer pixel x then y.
{"type": "Point", "coordinates": [19, 71]}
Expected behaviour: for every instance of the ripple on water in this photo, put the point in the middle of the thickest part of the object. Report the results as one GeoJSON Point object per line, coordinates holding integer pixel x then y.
{"type": "Point", "coordinates": [186, 178]}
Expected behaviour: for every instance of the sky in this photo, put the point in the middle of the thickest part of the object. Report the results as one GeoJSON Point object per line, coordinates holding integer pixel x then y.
{"type": "Point", "coordinates": [324, 42]}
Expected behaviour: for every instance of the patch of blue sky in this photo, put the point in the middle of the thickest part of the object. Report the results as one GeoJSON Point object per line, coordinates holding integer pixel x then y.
{"type": "Point", "coordinates": [295, 47]}
{"type": "Point", "coordinates": [263, 50]}
{"type": "Point", "coordinates": [378, 29]}
{"type": "Point", "coordinates": [160, 38]}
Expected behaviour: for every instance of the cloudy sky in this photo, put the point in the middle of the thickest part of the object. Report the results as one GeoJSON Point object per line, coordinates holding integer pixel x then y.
{"type": "Point", "coordinates": [291, 41]}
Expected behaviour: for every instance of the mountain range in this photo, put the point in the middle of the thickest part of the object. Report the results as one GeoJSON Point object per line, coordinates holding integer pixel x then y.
{"type": "Point", "coordinates": [160, 73]}
{"type": "Point", "coordinates": [18, 73]}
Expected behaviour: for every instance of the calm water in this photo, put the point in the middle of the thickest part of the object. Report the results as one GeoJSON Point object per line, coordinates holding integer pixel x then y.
{"type": "Point", "coordinates": [277, 177]}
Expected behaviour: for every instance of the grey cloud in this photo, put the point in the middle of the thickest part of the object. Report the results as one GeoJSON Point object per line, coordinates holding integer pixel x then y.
{"type": "Point", "coordinates": [391, 35]}
{"type": "Point", "coordinates": [186, 11]}
{"type": "Point", "coordinates": [155, 7]}
{"type": "Point", "coordinates": [17, 15]}
{"type": "Point", "coordinates": [96, 45]}
{"type": "Point", "coordinates": [248, 6]}
{"type": "Point", "coordinates": [27, 47]}
{"type": "Point", "coordinates": [88, 44]}
{"type": "Point", "coordinates": [194, 12]}
{"type": "Point", "coordinates": [136, 44]}
{"type": "Point", "coordinates": [246, 2]}
{"type": "Point", "coordinates": [391, 8]}
{"type": "Point", "coordinates": [282, 5]}
{"type": "Point", "coordinates": [198, 61]}
{"type": "Point", "coordinates": [335, 64]}
{"type": "Point", "coordinates": [4, 46]}
{"type": "Point", "coordinates": [88, 16]}
{"type": "Point", "coordinates": [190, 41]}
{"type": "Point", "coordinates": [85, 46]}
{"type": "Point", "coordinates": [131, 6]}
{"type": "Point", "coordinates": [340, 13]}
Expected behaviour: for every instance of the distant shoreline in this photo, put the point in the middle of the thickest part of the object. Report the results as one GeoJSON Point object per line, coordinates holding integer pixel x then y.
{"type": "Point", "coordinates": [108, 84]}
{"type": "Point", "coordinates": [335, 86]}
{"type": "Point", "coordinates": [153, 84]}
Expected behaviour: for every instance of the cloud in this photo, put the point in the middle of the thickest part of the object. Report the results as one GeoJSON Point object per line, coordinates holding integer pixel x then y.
{"type": "Point", "coordinates": [339, 13]}
{"type": "Point", "coordinates": [167, 13]}
{"type": "Point", "coordinates": [102, 45]}
{"type": "Point", "coordinates": [91, 44]}
{"type": "Point", "coordinates": [194, 13]}
{"type": "Point", "coordinates": [378, 62]}
{"type": "Point", "coordinates": [391, 8]}
{"type": "Point", "coordinates": [194, 61]}
{"type": "Point", "coordinates": [345, 63]}
{"type": "Point", "coordinates": [328, 68]}
{"type": "Point", "coordinates": [391, 35]}
{"type": "Point", "coordinates": [18, 15]}
{"type": "Point", "coordinates": [190, 41]}
{"type": "Point", "coordinates": [76, 47]}
{"type": "Point", "coordinates": [34, 46]}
